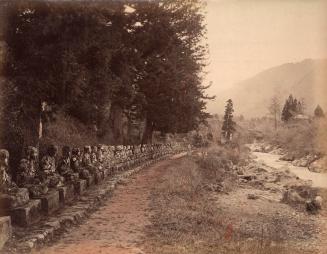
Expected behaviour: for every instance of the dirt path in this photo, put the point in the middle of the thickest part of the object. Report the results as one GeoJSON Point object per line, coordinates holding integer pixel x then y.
{"type": "Point", "coordinates": [117, 228]}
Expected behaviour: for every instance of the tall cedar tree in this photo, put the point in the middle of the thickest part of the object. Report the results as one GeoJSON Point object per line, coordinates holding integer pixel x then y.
{"type": "Point", "coordinates": [86, 58]}
{"type": "Point", "coordinates": [170, 94]}
{"type": "Point", "coordinates": [228, 125]}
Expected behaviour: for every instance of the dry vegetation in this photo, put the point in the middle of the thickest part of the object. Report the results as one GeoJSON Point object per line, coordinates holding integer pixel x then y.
{"type": "Point", "coordinates": [301, 138]}
{"type": "Point", "coordinates": [186, 219]}
{"type": "Point", "coordinates": [67, 131]}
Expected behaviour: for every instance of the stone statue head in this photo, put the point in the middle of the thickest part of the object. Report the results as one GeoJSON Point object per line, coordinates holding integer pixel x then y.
{"type": "Point", "coordinates": [87, 149]}
{"type": "Point", "coordinates": [4, 158]}
{"type": "Point", "coordinates": [76, 151]}
{"type": "Point", "coordinates": [52, 150]}
{"type": "Point", "coordinates": [23, 165]}
{"type": "Point", "coordinates": [94, 149]}
{"type": "Point", "coordinates": [31, 153]}
{"type": "Point", "coordinates": [101, 147]}
{"type": "Point", "coordinates": [66, 151]}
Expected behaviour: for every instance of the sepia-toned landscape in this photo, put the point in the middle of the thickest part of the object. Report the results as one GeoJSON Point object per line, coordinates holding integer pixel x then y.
{"type": "Point", "coordinates": [163, 127]}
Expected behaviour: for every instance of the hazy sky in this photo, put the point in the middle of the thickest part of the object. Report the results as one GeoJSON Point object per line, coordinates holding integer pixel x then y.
{"type": "Point", "coordinates": [248, 36]}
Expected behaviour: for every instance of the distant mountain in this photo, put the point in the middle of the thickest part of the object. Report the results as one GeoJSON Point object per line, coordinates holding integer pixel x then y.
{"type": "Point", "coordinates": [306, 79]}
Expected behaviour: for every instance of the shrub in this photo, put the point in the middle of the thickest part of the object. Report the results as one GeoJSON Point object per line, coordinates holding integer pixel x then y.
{"type": "Point", "coordinates": [69, 131]}
{"type": "Point", "coordinates": [297, 137]}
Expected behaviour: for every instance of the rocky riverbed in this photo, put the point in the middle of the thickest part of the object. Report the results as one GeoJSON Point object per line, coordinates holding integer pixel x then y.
{"type": "Point", "coordinates": [282, 183]}
{"type": "Point", "coordinates": [314, 162]}
{"type": "Point", "coordinates": [276, 160]}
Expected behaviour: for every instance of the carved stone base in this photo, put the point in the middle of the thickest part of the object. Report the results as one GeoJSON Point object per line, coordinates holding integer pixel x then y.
{"type": "Point", "coordinates": [119, 167]}
{"type": "Point", "coordinates": [76, 175]}
{"type": "Point", "coordinates": [5, 230]}
{"type": "Point", "coordinates": [50, 202]}
{"type": "Point", "coordinates": [11, 201]}
{"type": "Point", "coordinates": [106, 172]}
{"type": "Point", "coordinates": [90, 181]}
{"type": "Point", "coordinates": [80, 187]}
{"type": "Point", "coordinates": [28, 214]}
{"type": "Point", "coordinates": [98, 177]}
{"type": "Point", "coordinates": [66, 194]}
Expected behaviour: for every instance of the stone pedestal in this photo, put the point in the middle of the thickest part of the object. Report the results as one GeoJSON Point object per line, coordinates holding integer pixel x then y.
{"type": "Point", "coordinates": [5, 230]}
{"type": "Point", "coordinates": [66, 194]}
{"type": "Point", "coordinates": [128, 164]}
{"type": "Point", "coordinates": [76, 175]}
{"type": "Point", "coordinates": [11, 201]}
{"type": "Point", "coordinates": [106, 172]}
{"type": "Point", "coordinates": [98, 177]}
{"type": "Point", "coordinates": [119, 167]}
{"type": "Point", "coordinates": [80, 187]}
{"type": "Point", "coordinates": [90, 181]}
{"type": "Point", "coordinates": [50, 202]}
{"type": "Point", "coordinates": [28, 214]}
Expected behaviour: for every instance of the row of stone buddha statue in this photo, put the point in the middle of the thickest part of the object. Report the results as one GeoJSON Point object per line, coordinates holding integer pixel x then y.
{"type": "Point", "coordinates": [39, 176]}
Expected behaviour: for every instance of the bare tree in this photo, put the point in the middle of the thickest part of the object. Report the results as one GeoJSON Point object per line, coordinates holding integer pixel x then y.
{"type": "Point", "coordinates": [275, 109]}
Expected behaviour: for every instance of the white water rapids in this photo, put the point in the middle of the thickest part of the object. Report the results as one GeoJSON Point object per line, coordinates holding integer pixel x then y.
{"type": "Point", "coordinates": [272, 160]}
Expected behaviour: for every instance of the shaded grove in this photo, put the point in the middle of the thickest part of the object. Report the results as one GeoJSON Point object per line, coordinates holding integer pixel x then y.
{"type": "Point", "coordinates": [102, 71]}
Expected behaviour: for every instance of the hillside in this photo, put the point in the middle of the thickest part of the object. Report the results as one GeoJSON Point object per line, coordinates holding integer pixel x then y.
{"type": "Point", "coordinates": [306, 79]}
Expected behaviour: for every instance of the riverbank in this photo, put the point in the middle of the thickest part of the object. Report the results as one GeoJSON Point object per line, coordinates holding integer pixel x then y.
{"type": "Point", "coordinates": [238, 209]}
{"type": "Point", "coordinates": [314, 162]}
{"type": "Point", "coordinates": [313, 182]}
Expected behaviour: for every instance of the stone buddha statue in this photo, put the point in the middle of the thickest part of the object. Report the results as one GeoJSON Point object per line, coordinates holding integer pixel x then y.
{"type": "Point", "coordinates": [28, 174]}
{"type": "Point", "coordinates": [76, 164]}
{"type": "Point", "coordinates": [10, 195]}
{"type": "Point", "coordinates": [48, 171]}
{"type": "Point", "coordinates": [64, 166]}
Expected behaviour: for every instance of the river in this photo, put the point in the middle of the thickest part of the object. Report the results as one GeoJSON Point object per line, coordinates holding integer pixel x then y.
{"type": "Point", "coordinates": [272, 160]}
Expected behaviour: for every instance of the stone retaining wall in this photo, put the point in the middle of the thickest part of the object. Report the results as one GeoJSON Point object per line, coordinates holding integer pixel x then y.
{"type": "Point", "coordinates": [116, 164]}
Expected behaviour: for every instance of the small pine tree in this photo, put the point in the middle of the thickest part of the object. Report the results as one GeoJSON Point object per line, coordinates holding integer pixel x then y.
{"type": "Point", "coordinates": [286, 112]}
{"type": "Point", "coordinates": [228, 125]}
{"type": "Point", "coordinates": [319, 112]}
{"type": "Point", "coordinates": [292, 107]}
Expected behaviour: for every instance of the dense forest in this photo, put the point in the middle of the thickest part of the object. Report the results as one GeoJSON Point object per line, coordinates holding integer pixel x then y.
{"type": "Point", "coordinates": [98, 62]}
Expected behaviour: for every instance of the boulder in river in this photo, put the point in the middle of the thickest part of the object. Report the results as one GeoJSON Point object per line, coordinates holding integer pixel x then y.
{"type": "Point", "coordinates": [268, 148]}
{"type": "Point", "coordinates": [318, 202]}
{"type": "Point", "coordinates": [240, 171]}
{"type": "Point", "coordinates": [292, 197]}
{"type": "Point", "coordinates": [305, 161]}
{"type": "Point", "coordinates": [252, 196]}
{"type": "Point", "coordinates": [319, 166]}
{"type": "Point", "coordinates": [313, 206]}
{"type": "Point", "coordinates": [287, 157]}
{"type": "Point", "coordinates": [249, 177]}
{"type": "Point", "coordinates": [278, 151]}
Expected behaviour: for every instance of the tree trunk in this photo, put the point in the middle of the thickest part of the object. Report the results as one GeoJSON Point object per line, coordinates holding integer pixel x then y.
{"type": "Point", "coordinates": [148, 131]}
